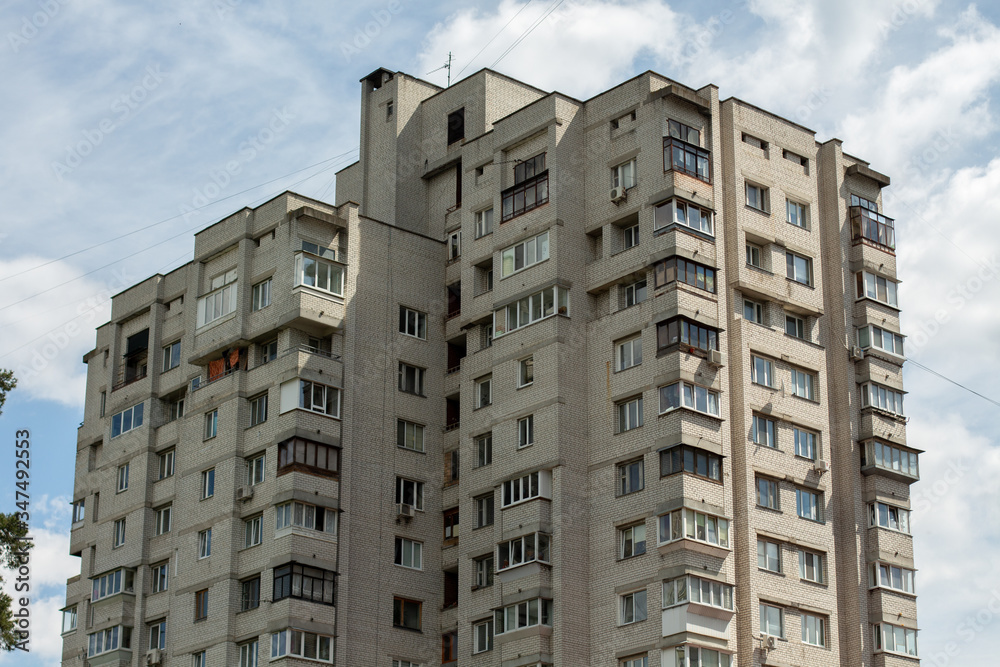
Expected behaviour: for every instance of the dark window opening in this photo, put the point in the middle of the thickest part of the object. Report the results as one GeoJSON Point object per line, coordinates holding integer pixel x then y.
{"type": "Point", "coordinates": [456, 126]}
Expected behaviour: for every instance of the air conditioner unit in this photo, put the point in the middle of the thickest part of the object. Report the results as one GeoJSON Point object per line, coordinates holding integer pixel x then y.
{"type": "Point", "coordinates": [772, 643]}
{"type": "Point", "coordinates": [244, 493]}
{"type": "Point", "coordinates": [857, 354]}
{"type": "Point", "coordinates": [715, 357]}
{"type": "Point", "coordinates": [404, 510]}
{"type": "Point", "coordinates": [822, 466]}
{"type": "Point", "coordinates": [154, 657]}
{"type": "Point", "coordinates": [617, 194]}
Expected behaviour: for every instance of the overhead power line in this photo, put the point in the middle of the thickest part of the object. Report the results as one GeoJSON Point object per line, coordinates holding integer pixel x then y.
{"type": "Point", "coordinates": [957, 384]}
{"type": "Point", "coordinates": [523, 7]}
{"type": "Point", "coordinates": [530, 29]}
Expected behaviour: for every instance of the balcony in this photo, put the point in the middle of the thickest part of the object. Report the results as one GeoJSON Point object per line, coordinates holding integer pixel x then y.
{"type": "Point", "coordinates": [525, 196]}
{"type": "Point", "coordinates": [687, 159]}
{"type": "Point", "coordinates": [872, 228]}
{"type": "Point", "coordinates": [898, 463]}
{"type": "Point", "coordinates": [235, 360]}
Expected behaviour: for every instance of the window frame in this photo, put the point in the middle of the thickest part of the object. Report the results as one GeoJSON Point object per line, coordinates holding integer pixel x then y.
{"type": "Point", "coordinates": [161, 522]}
{"type": "Point", "coordinates": [818, 630]}
{"type": "Point", "coordinates": [801, 213]}
{"type": "Point", "coordinates": [253, 531]}
{"type": "Point", "coordinates": [804, 381]}
{"type": "Point", "coordinates": [628, 414]}
{"type": "Point", "coordinates": [281, 644]}
{"type": "Point", "coordinates": [517, 550]}
{"type": "Point", "coordinates": [629, 482]}
{"type": "Point", "coordinates": [135, 419]}
{"type": "Point", "coordinates": [770, 431]}
{"type": "Point", "coordinates": [625, 175]}
{"type": "Point", "coordinates": [415, 549]}
{"type": "Point", "coordinates": [534, 308]}
{"type": "Point", "coordinates": [798, 325]}
{"type": "Point", "coordinates": [526, 431]}
{"type": "Point", "coordinates": [399, 608]}
{"type": "Point", "coordinates": [119, 533]}
{"type": "Point", "coordinates": [258, 409]}
{"type": "Point", "coordinates": [676, 524]}
{"type": "Point", "coordinates": [526, 371]}
{"type": "Point", "coordinates": [333, 267]}
{"type": "Point", "coordinates": [222, 298]}
{"type": "Point", "coordinates": [682, 394]}
{"type": "Point", "coordinates": [309, 387]}
{"type": "Point", "coordinates": [675, 460]}
{"type": "Point", "coordinates": [767, 493]}
{"type": "Point", "coordinates": [907, 633]}
{"type": "Point", "coordinates": [484, 391]}
{"type": "Point", "coordinates": [813, 510]}
{"type": "Point", "coordinates": [634, 356]}
{"type": "Point", "coordinates": [777, 559]}
{"type": "Point", "coordinates": [419, 375]}
{"type": "Point", "coordinates": [541, 615]}
{"type": "Point", "coordinates": [410, 433]}
{"type": "Point", "coordinates": [540, 252]}
{"type": "Point", "coordinates": [818, 566]}
{"type": "Point", "coordinates": [484, 450]}
{"type": "Point", "coordinates": [677, 269]}
{"type": "Point", "coordinates": [477, 647]}
{"type": "Point", "coordinates": [485, 570]}
{"type": "Point", "coordinates": [765, 621]}
{"type": "Point", "coordinates": [121, 484]}
{"type": "Point", "coordinates": [417, 492]}
{"type": "Point", "coordinates": [678, 212]}
{"type": "Point", "coordinates": [761, 199]}
{"type": "Point", "coordinates": [630, 602]}
{"type": "Point", "coordinates": [284, 584]}
{"type": "Point", "coordinates": [204, 543]}
{"type": "Point", "coordinates": [484, 222]}
{"type": "Point", "coordinates": [412, 322]}
{"type": "Point", "coordinates": [628, 544]}
{"type": "Point", "coordinates": [752, 250]}
{"type": "Point", "coordinates": [171, 356]}
{"type": "Point", "coordinates": [485, 511]}
{"type": "Point", "coordinates": [200, 605]}
{"type": "Point", "coordinates": [260, 295]}
{"type": "Point", "coordinates": [792, 272]}
{"type": "Point", "coordinates": [294, 456]}
{"type": "Point", "coordinates": [211, 424]}
{"type": "Point", "coordinates": [863, 286]}
{"type": "Point", "coordinates": [159, 577]}
{"type": "Point", "coordinates": [165, 462]}
{"type": "Point", "coordinates": [208, 483]}
{"type": "Point", "coordinates": [755, 310]}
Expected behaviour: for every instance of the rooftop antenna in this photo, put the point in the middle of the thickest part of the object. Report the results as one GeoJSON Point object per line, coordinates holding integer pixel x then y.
{"type": "Point", "coordinates": [446, 66]}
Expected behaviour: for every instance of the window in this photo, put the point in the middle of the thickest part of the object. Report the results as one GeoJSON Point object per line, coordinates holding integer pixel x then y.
{"type": "Point", "coordinates": [889, 516]}
{"type": "Point", "coordinates": [69, 619]}
{"type": "Point", "coordinates": [126, 420]}
{"type": "Point", "coordinates": [885, 456]}
{"type": "Point", "coordinates": [484, 450]}
{"type": "Point", "coordinates": [122, 478]}
{"type": "Point", "coordinates": [868, 223]}
{"type": "Point", "coordinates": [629, 414]}
{"type": "Point", "coordinates": [171, 356]}
{"type": "Point", "coordinates": [250, 594]}
{"type": "Point", "coordinates": [794, 157]}
{"type": "Point", "coordinates": [795, 326]}
{"type": "Point", "coordinates": [807, 505]}
{"type": "Point", "coordinates": [811, 566]}
{"type": "Point", "coordinates": [119, 538]}
{"type": "Point", "coordinates": [248, 654]}
{"type": "Point", "coordinates": [679, 269]}
{"type": "Point", "coordinates": [525, 372]}
{"type": "Point", "coordinates": [798, 214]}
{"type": "Point", "coordinates": [635, 661]}
{"type": "Point", "coordinates": [112, 583]}
{"type": "Point", "coordinates": [878, 288]}
{"type": "Point", "coordinates": [771, 620]}
{"type": "Point", "coordinates": [200, 659]}
{"type": "Point", "coordinates": [454, 245]}
{"type": "Point", "coordinates": [201, 605]}
{"type": "Point", "coordinates": [530, 190]}
{"type": "Point", "coordinates": [624, 176]}
{"type": "Point", "coordinates": [175, 409]}
{"type": "Point", "coordinates": [891, 576]}
{"type": "Point", "coordinates": [694, 397]}
{"type": "Point", "coordinates": [410, 493]}
{"type": "Point", "coordinates": [486, 336]}
{"type": "Point", "coordinates": [699, 591]}
{"type": "Point", "coordinates": [162, 521]}
{"type": "Point", "coordinates": [165, 464]}
{"type": "Point", "coordinates": [686, 333]}
{"type": "Point", "coordinates": [319, 398]}
{"type": "Point", "coordinates": [160, 577]}
{"type": "Point", "coordinates": [753, 311]}
{"type": "Point", "coordinates": [411, 379]}
{"type": "Point", "coordinates": [298, 454]}
{"type": "Point", "coordinates": [679, 212]}
{"type": "Point", "coordinates": [883, 398]}
{"type": "Point", "coordinates": [451, 524]}
{"type": "Point", "coordinates": [79, 510]}
{"type": "Point", "coordinates": [692, 525]}
{"type": "Point", "coordinates": [757, 197]}
{"type": "Point", "coordinates": [523, 550]}
{"type": "Point", "coordinates": [449, 647]}
{"type": "Point", "coordinates": [484, 222]}
{"type": "Point", "coordinates": [484, 571]}
{"type": "Point", "coordinates": [630, 237]}
{"type": "Point", "coordinates": [104, 400]}
{"type": "Point", "coordinates": [484, 511]}
{"type": "Point", "coordinates": [484, 391]}
{"type": "Point", "coordinates": [211, 424]}
{"type": "Point", "coordinates": [526, 431]}
{"type": "Point", "coordinates": [482, 636]}
{"type": "Point", "coordinates": [681, 152]}
{"type": "Point", "coordinates": [762, 431]}
{"type": "Point", "coordinates": [767, 493]}
{"type": "Point", "coordinates": [802, 384]}
{"type": "Point", "coordinates": [158, 635]}
{"type": "Point", "coordinates": [695, 656]}
{"type": "Point", "coordinates": [305, 583]}
{"type": "Point", "coordinates": [813, 630]}
{"type": "Point", "coordinates": [761, 371]}
{"type": "Point", "coordinates": [531, 309]}
{"type": "Point", "coordinates": [456, 126]}
{"type": "Point", "coordinates": [526, 488]}
{"type": "Point", "coordinates": [409, 435]}
{"type": "Point", "coordinates": [799, 268]}
{"type": "Point", "coordinates": [322, 274]}
{"type": "Point", "coordinates": [388, 115]}
{"type": "Point", "coordinates": [754, 255]}
{"type": "Point", "coordinates": [302, 644]}
{"type": "Point", "coordinates": [207, 483]}
{"type": "Point", "coordinates": [629, 353]}
{"type": "Point", "coordinates": [406, 613]}
{"type": "Point", "coordinates": [754, 141]}
{"type": "Point", "coordinates": [109, 639]}
{"type": "Point", "coordinates": [267, 351]}
{"type": "Point", "coordinates": [805, 443]}
{"type": "Point", "coordinates": [527, 614]}
{"type": "Point", "coordinates": [632, 540]}
{"type": "Point", "coordinates": [412, 323]}
{"type": "Point", "coordinates": [304, 515]}
{"type": "Point", "coordinates": [633, 293]}
{"type": "Point", "coordinates": [895, 639]}
{"type": "Point", "coordinates": [205, 543]}
{"type": "Point", "coordinates": [630, 477]}
{"type": "Point", "coordinates": [261, 295]}
{"type": "Point", "coordinates": [404, 663]}
{"type": "Point", "coordinates": [252, 531]}
{"type": "Point", "coordinates": [882, 339]}
{"type": "Point", "coordinates": [768, 556]}
{"type": "Point", "coordinates": [633, 607]}
{"type": "Point", "coordinates": [221, 299]}
{"type": "Point", "coordinates": [691, 460]}
{"type": "Point", "coordinates": [258, 409]}
{"type": "Point", "coordinates": [524, 254]}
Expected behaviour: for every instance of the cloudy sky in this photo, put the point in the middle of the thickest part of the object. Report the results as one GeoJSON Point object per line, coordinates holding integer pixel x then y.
{"type": "Point", "coordinates": [120, 118]}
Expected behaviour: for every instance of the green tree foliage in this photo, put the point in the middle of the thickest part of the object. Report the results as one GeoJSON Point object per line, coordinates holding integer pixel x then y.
{"type": "Point", "coordinates": [12, 530]}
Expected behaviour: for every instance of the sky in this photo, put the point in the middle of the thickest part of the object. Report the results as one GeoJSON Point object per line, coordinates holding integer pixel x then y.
{"type": "Point", "coordinates": [121, 120]}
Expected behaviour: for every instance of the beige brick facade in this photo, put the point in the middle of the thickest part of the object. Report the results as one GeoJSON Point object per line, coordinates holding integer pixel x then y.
{"type": "Point", "coordinates": [667, 375]}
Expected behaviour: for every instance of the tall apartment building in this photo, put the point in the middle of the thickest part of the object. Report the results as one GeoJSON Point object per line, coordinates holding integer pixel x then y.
{"type": "Point", "coordinates": [646, 346]}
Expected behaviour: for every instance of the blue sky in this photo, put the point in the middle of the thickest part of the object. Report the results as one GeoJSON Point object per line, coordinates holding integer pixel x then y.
{"type": "Point", "coordinates": [121, 115]}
